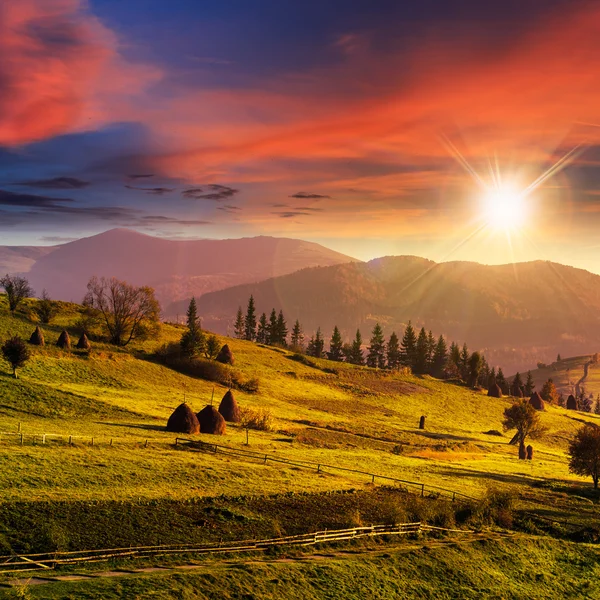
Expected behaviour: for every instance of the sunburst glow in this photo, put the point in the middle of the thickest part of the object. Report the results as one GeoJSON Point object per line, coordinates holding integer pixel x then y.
{"type": "Point", "coordinates": [504, 208]}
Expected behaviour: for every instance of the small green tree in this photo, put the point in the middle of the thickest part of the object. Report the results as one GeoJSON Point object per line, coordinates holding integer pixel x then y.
{"type": "Point", "coordinates": [17, 289]}
{"type": "Point", "coordinates": [501, 381]}
{"type": "Point", "coordinates": [421, 353]}
{"type": "Point", "coordinates": [549, 392]}
{"type": "Point", "coordinates": [440, 357]}
{"type": "Point", "coordinates": [272, 328]}
{"type": "Point", "coordinates": [45, 309]}
{"type": "Point", "coordinates": [517, 384]}
{"type": "Point", "coordinates": [282, 331]}
{"type": "Point", "coordinates": [212, 347]}
{"type": "Point", "coordinates": [297, 338]}
{"type": "Point", "coordinates": [454, 360]}
{"type": "Point", "coordinates": [464, 363]}
{"type": "Point", "coordinates": [192, 341]}
{"type": "Point", "coordinates": [393, 352]}
{"type": "Point", "coordinates": [408, 347]}
{"type": "Point", "coordinates": [376, 349]}
{"type": "Point", "coordinates": [240, 325]}
{"type": "Point", "coordinates": [336, 345]}
{"type": "Point", "coordinates": [16, 353]}
{"type": "Point", "coordinates": [356, 353]}
{"type": "Point", "coordinates": [584, 452]}
{"type": "Point", "coordinates": [262, 333]}
{"type": "Point", "coordinates": [523, 417]}
{"type": "Point", "coordinates": [529, 385]}
{"type": "Point", "coordinates": [250, 321]}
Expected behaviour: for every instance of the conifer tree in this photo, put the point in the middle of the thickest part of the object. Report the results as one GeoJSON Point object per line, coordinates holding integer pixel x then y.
{"type": "Point", "coordinates": [393, 352]}
{"type": "Point", "coordinates": [192, 341]}
{"type": "Point", "coordinates": [475, 363]}
{"type": "Point", "coordinates": [297, 336]}
{"type": "Point", "coordinates": [549, 392]}
{"type": "Point", "coordinates": [336, 345]}
{"type": "Point", "coordinates": [262, 332]}
{"type": "Point", "coordinates": [440, 357]}
{"type": "Point", "coordinates": [529, 385]}
{"type": "Point", "coordinates": [517, 384]}
{"type": "Point", "coordinates": [319, 344]}
{"type": "Point", "coordinates": [454, 360]}
{"type": "Point", "coordinates": [240, 325]}
{"type": "Point", "coordinates": [484, 374]}
{"type": "Point", "coordinates": [430, 350]}
{"type": "Point", "coordinates": [420, 364]}
{"type": "Point", "coordinates": [376, 349]}
{"type": "Point", "coordinates": [408, 347]}
{"type": "Point", "coordinates": [250, 322]}
{"type": "Point", "coordinates": [492, 378]}
{"type": "Point", "coordinates": [272, 328]}
{"type": "Point", "coordinates": [310, 347]}
{"type": "Point", "coordinates": [464, 362]}
{"type": "Point", "coordinates": [282, 331]}
{"type": "Point", "coordinates": [356, 354]}
{"type": "Point", "coordinates": [501, 381]}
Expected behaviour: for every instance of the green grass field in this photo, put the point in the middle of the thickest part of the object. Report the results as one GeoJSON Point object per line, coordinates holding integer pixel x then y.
{"type": "Point", "coordinates": [324, 412]}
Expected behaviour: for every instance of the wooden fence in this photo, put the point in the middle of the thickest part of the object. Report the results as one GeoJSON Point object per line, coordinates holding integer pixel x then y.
{"type": "Point", "coordinates": [414, 486]}
{"type": "Point", "coordinates": [51, 560]}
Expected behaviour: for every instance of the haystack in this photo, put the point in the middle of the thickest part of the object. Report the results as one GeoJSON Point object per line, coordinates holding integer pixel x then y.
{"type": "Point", "coordinates": [229, 408]}
{"type": "Point", "coordinates": [225, 355]}
{"type": "Point", "coordinates": [37, 337]}
{"type": "Point", "coordinates": [84, 343]}
{"type": "Point", "coordinates": [183, 420]}
{"type": "Point", "coordinates": [529, 452]}
{"type": "Point", "coordinates": [211, 421]}
{"type": "Point", "coordinates": [536, 401]}
{"type": "Point", "coordinates": [495, 391]}
{"type": "Point", "coordinates": [64, 341]}
{"type": "Point", "coordinates": [522, 451]}
{"type": "Point", "coordinates": [516, 391]}
{"type": "Point", "coordinates": [571, 402]}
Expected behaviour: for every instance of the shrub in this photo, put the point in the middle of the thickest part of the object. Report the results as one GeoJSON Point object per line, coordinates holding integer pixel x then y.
{"type": "Point", "coordinates": [259, 419]}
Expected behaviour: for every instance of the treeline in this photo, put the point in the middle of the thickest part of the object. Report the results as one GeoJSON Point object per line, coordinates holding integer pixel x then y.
{"type": "Point", "coordinates": [421, 352]}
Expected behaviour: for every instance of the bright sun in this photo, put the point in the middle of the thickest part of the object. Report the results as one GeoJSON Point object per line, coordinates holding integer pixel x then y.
{"type": "Point", "coordinates": [504, 208]}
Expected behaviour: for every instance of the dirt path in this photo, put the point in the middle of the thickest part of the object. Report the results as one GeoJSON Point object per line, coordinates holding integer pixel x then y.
{"type": "Point", "coordinates": [578, 385]}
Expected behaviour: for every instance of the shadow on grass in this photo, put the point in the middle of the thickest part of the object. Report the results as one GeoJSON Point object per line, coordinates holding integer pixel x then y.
{"type": "Point", "coordinates": [135, 426]}
{"type": "Point", "coordinates": [518, 479]}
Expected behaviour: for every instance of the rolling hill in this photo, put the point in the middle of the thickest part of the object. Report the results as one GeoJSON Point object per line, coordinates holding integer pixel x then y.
{"type": "Point", "coordinates": [517, 314]}
{"type": "Point", "coordinates": [20, 259]}
{"type": "Point", "coordinates": [175, 269]}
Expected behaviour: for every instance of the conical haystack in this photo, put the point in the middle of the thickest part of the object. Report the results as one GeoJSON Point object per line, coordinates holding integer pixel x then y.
{"type": "Point", "coordinates": [571, 402]}
{"type": "Point", "coordinates": [64, 341]}
{"type": "Point", "coordinates": [37, 337]}
{"type": "Point", "coordinates": [183, 420]}
{"type": "Point", "coordinates": [229, 408]}
{"type": "Point", "coordinates": [84, 342]}
{"type": "Point", "coordinates": [495, 391]}
{"type": "Point", "coordinates": [536, 401]}
{"type": "Point", "coordinates": [225, 355]}
{"type": "Point", "coordinates": [516, 391]}
{"type": "Point", "coordinates": [211, 421]}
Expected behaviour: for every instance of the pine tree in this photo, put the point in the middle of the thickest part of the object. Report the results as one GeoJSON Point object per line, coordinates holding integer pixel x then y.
{"type": "Point", "coordinates": [282, 331]}
{"type": "Point", "coordinates": [408, 347]}
{"type": "Point", "coordinates": [484, 374]}
{"type": "Point", "coordinates": [430, 351]}
{"type": "Point", "coordinates": [464, 362]}
{"type": "Point", "coordinates": [492, 378]}
{"type": "Point", "coordinates": [240, 325]}
{"type": "Point", "coordinates": [517, 384]}
{"type": "Point", "coordinates": [297, 336]}
{"type": "Point", "coordinates": [558, 359]}
{"type": "Point", "coordinates": [250, 322]}
{"type": "Point", "coordinates": [549, 393]}
{"type": "Point", "coordinates": [454, 360]}
{"type": "Point", "coordinates": [192, 341]}
{"type": "Point", "coordinates": [272, 328]}
{"type": "Point", "coordinates": [475, 363]}
{"type": "Point", "coordinates": [319, 344]}
{"type": "Point", "coordinates": [376, 349]}
{"type": "Point", "coordinates": [356, 356]}
{"type": "Point", "coordinates": [501, 381]}
{"type": "Point", "coordinates": [336, 345]}
{"type": "Point", "coordinates": [347, 352]}
{"type": "Point", "coordinates": [420, 365]}
{"type": "Point", "coordinates": [440, 357]}
{"type": "Point", "coordinates": [310, 347]}
{"type": "Point", "coordinates": [393, 352]}
{"type": "Point", "coordinates": [529, 385]}
{"type": "Point", "coordinates": [262, 332]}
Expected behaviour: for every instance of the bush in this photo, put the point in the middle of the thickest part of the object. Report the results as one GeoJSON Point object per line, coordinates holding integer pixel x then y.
{"type": "Point", "coordinates": [260, 419]}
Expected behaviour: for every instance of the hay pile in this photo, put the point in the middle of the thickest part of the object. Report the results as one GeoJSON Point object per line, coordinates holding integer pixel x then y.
{"type": "Point", "coordinates": [495, 391]}
{"type": "Point", "coordinates": [211, 421]}
{"type": "Point", "coordinates": [529, 452]}
{"type": "Point", "coordinates": [225, 355]}
{"type": "Point", "coordinates": [183, 420]}
{"type": "Point", "coordinates": [571, 402]}
{"type": "Point", "coordinates": [522, 451]}
{"type": "Point", "coordinates": [37, 337]}
{"type": "Point", "coordinates": [536, 401]}
{"type": "Point", "coordinates": [229, 408]}
{"type": "Point", "coordinates": [516, 391]}
{"type": "Point", "coordinates": [84, 343]}
{"type": "Point", "coordinates": [64, 341]}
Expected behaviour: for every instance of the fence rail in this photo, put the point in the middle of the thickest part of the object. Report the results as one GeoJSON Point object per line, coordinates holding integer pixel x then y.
{"type": "Point", "coordinates": [51, 560]}
{"type": "Point", "coordinates": [417, 486]}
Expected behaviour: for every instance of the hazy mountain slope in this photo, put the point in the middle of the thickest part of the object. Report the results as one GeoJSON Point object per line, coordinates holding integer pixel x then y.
{"type": "Point", "coordinates": [176, 269]}
{"type": "Point", "coordinates": [517, 313]}
{"type": "Point", "coordinates": [20, 259]}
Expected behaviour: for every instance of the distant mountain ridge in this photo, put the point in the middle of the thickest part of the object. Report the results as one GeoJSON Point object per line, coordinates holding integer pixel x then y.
{"type": "Point", "coordinates": [176, 269]}
{"type": "Point", "coordinates": [20, 259]}
{"type": "Point", "coordinates": [518, 314]}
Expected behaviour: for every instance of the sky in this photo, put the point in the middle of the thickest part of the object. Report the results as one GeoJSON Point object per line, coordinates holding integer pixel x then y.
{"type": "Point", "coordinates": [373, 127]}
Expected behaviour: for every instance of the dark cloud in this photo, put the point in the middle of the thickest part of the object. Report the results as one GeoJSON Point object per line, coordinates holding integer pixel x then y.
{"type": "Point", "coordinates": [229, 208]}
{"type": "Point", "coordinates": [210, 192]}
{"type": "Point", "coordinates": [57, 183]}
{"type": "Point", "coordinates": [280, 205]}
{"type": "Point", "coordinates": [30, 200]}
{"type": "Point", "coordinates": [311, 208]}
{"type": "Point", "coordinates": [162, 220]}
{"type": "Point", "coordinates": [159, 191]}
{"type": "Point", "coordinates": [309, 196]}
{"type": "Point", "coordinates": [288, 214]}
{"type": "Point", "coordinates": [140, 176]}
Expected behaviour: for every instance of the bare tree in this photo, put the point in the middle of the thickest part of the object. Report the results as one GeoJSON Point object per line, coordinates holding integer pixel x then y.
{"type": "Point", "coordinates": [125, 309]}
{"type": "Point", "coordinates": [17, 289]}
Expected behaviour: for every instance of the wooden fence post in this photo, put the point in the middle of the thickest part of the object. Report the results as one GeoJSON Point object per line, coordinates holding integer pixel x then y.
{"type": "Point", "coordinates": [146, 444]}
{"type": "Point", "coordinates": [422, 490]}
{"type": "Point", "coordinates": [70, 440]}
{"type": "Point", "coordinates": [21, 437]}
{"type": "Point", "coordinates": [265, 459]}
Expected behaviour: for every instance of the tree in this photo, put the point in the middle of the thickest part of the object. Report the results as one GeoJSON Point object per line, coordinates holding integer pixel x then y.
{"type": "Point", "coordinates": [282, 331]}
{"type": "Point", "coordinates": [250, 321]}
{"type": "Point", "coordinates": [525, 419]}
{"type": "Point", "coordinates": [240, 325]}
{"type": "Point", "coordinates": [16, 353]}
{"type": "Point", "coordinates": [297, 336]}
{"type": "Point", "coordinates": [336, 345]}
{"type": "Point", "coordinates": [319, 345]}
{"type": "Point", "coordinates": [17, 289]}
{"type": "Point", "coordinates": [440, 357]}
{"type": "Point", "coordinates": [376, 349]}
{"type": "Point", "coordinates": [128, 311]}
{"type": "Point", "coordinates": [356, 353]}
{"type": "Point", "coordinates": [558, 359]}
{"type": "Point", "coordinates": [408, 346]}
{"type": "Point", "coordinates": [454, 360]}
{"type": "Point", "coordinates": [262, 333]}
{"type": "Point", "coordinates": [475, 363]}
{"type": "Point", "coordinates": [393, 352]}
{"type": "Point", "coordinates": [584, 452]}
{"type": "Point", "coordinates": [549, 392]}
{"type": "Point", "coordinates": [464, 362]}
{"type": "Point", "coordinates": [501, 381]}
{"type": "Point", "coordinates": [421, 353]}
{"type": "Point", "coordinates": [430, 350]}
{"type": "Point", "coordinates": [45, 309]}
{"type": "Point", "coordinates": [272, 328]}
{"type": "Point", "coordinates": [529, 385]}
{"type": "Point", "coordinates": [517, 384]}
{"type": "Point", "coordinates": [484, 373]}
{"type": "Point", "coordinates": [212, 346]}
{"type": "Point", "coordinates": [192, 341]}
{"type": "Point", "coordinates": [492, 378]}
